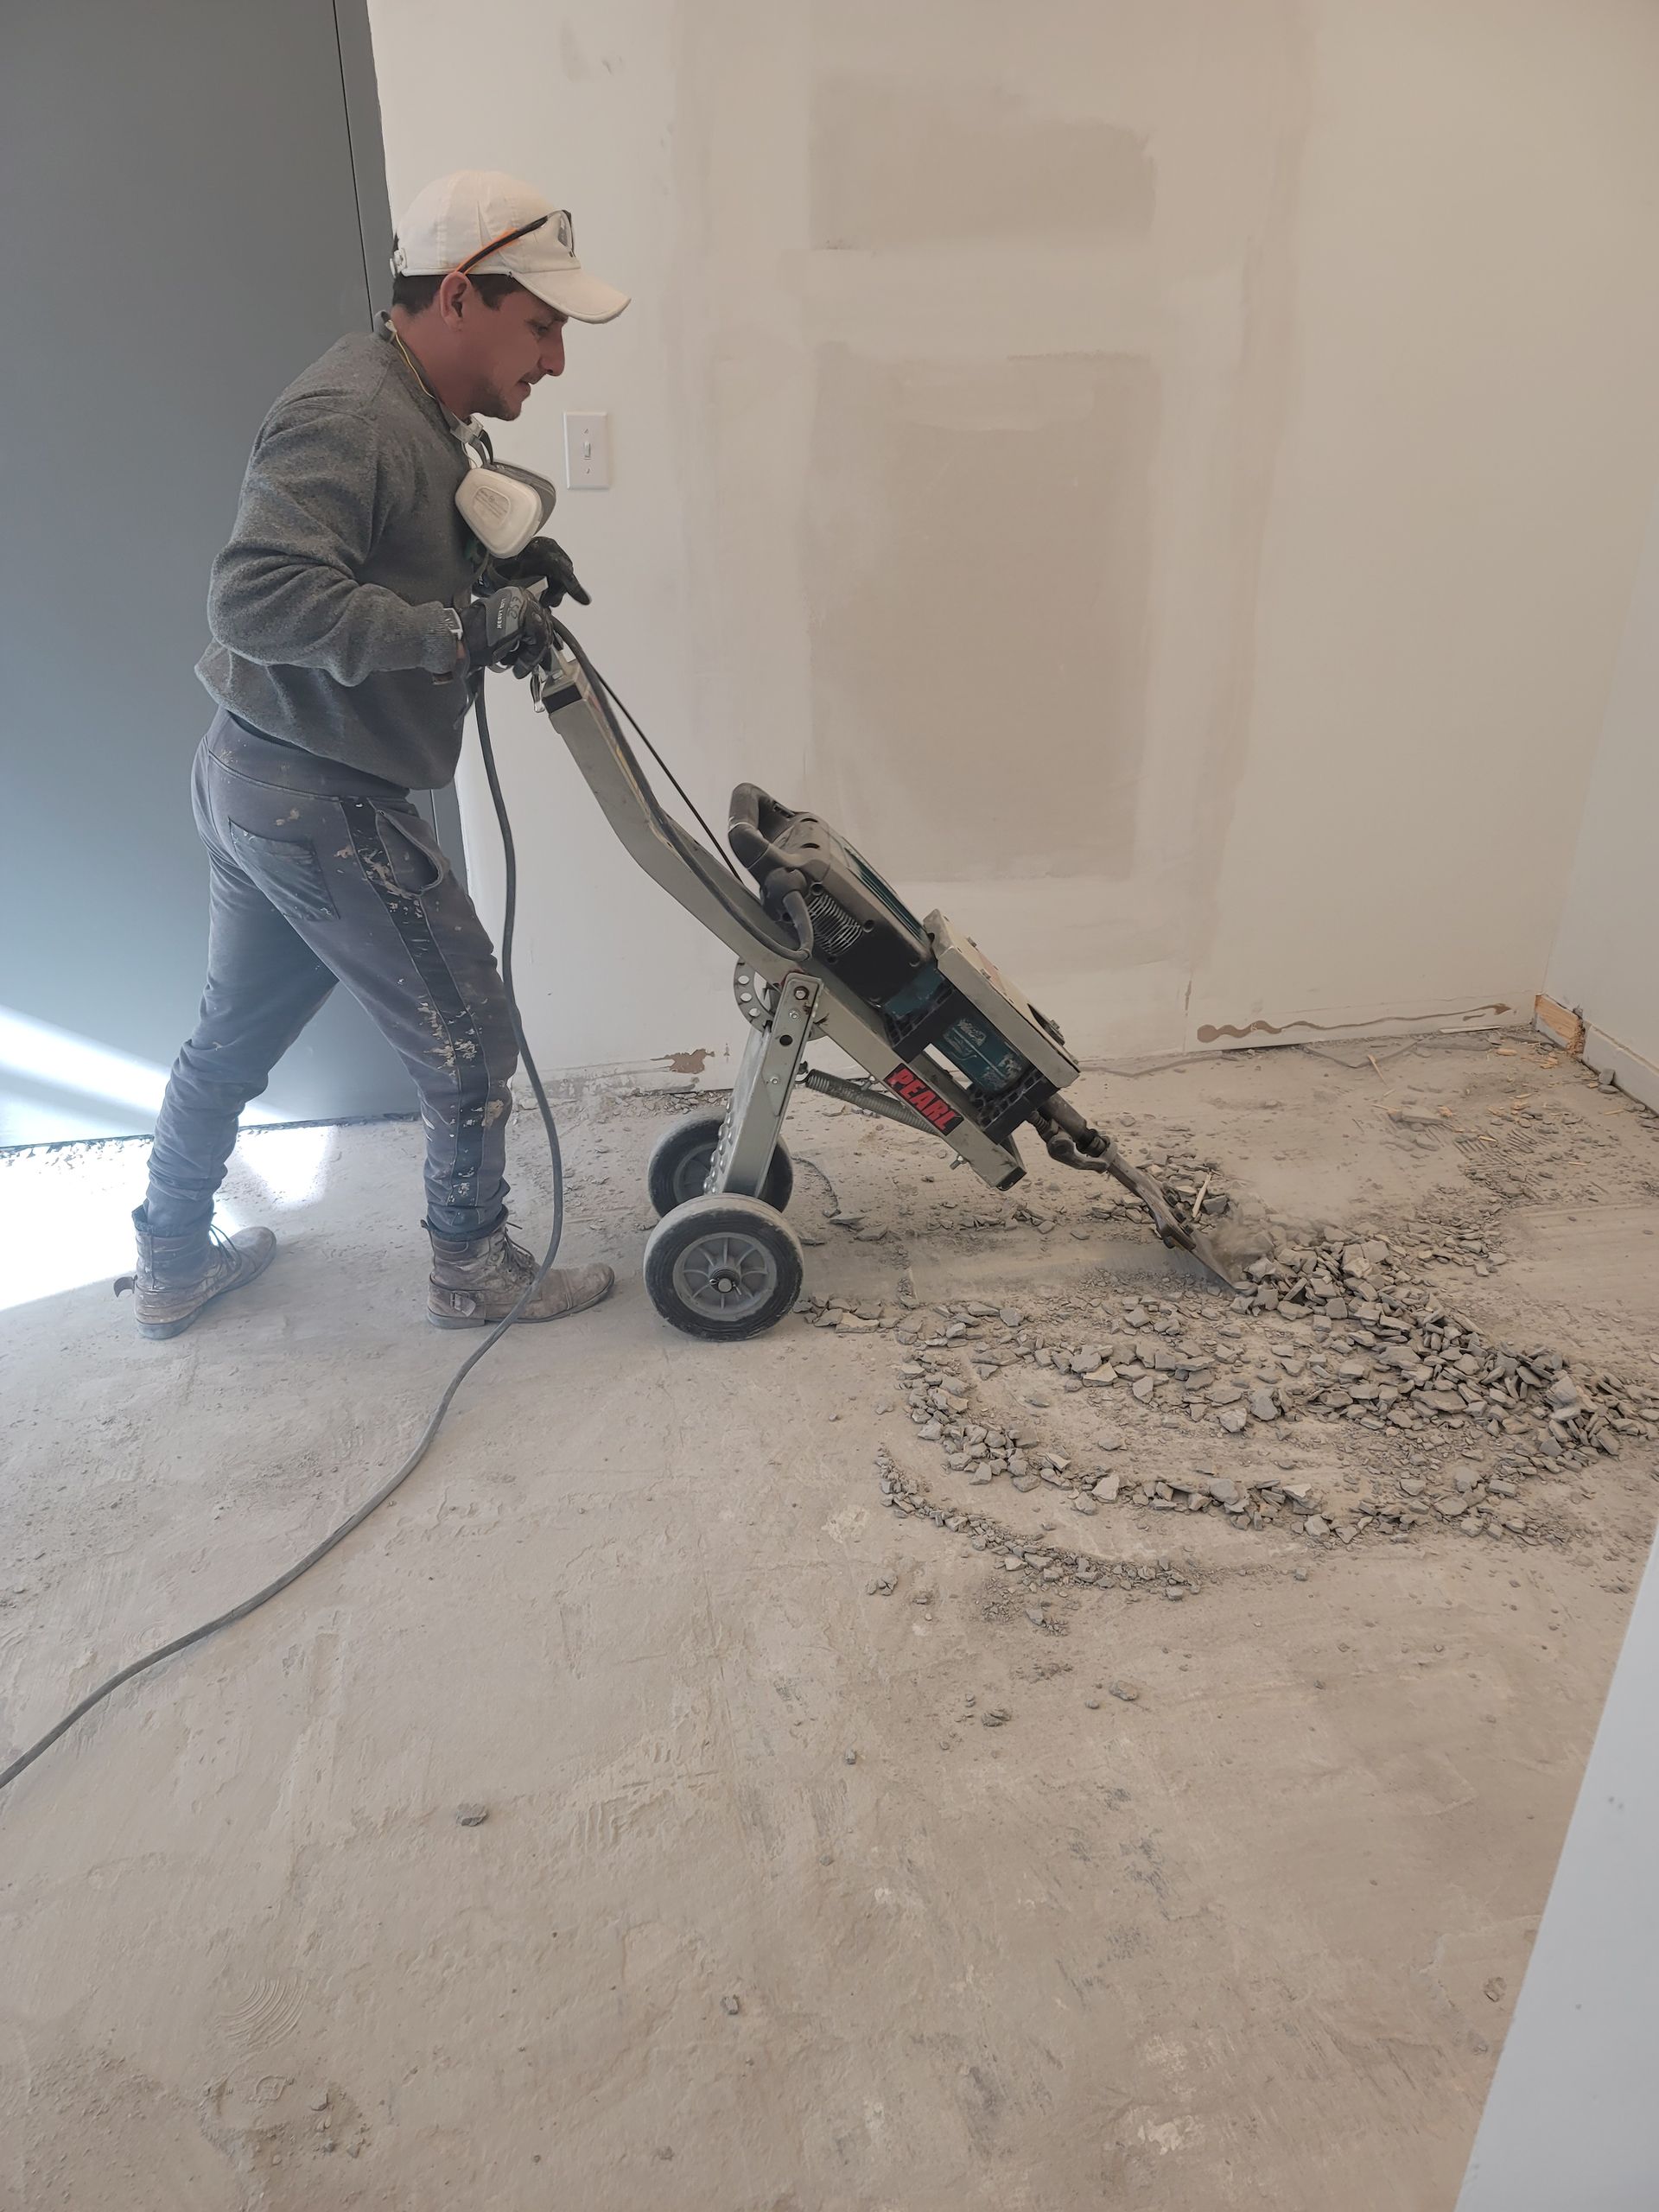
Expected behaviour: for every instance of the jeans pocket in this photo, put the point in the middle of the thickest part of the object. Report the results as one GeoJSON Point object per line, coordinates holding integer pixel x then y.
{"type": "Point", "coordinates": [288, 870]}
{"type": "Point", "coordinates": [413, 852]}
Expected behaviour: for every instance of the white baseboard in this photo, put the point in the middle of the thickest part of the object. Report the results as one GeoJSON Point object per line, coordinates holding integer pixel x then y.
{"type": "Point", "coordinates": [1633, 1074]}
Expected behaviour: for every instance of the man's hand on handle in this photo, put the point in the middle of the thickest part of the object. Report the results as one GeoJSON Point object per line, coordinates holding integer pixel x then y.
{"type": "Point", "coordinates": [507, 629]}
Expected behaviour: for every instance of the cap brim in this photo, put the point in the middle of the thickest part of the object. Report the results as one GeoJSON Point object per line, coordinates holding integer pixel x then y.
{"type": "Point", "coordinates": [574, 293]}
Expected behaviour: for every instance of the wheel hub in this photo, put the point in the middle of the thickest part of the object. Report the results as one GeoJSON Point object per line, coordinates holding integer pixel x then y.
{"type": "Point", "coordinates": [726, 1275]}
{"type": "Point", "coordinates": [691, 1177]}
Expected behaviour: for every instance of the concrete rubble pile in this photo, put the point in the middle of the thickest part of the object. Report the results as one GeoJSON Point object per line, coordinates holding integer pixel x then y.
{"type": "Point", "coordinates": [1343, 1332]}
{"type": "Point", "coordinates": [1038, 1559]}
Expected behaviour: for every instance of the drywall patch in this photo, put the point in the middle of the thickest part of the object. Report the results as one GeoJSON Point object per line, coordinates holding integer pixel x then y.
{"type": "Point", "coordinates": [914, 163]}
{"type": "Point", "coordinates": [977, 556]}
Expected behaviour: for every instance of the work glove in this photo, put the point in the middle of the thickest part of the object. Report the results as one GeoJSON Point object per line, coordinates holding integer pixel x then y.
{"type": "Point", "coordinates": [544, 561]}
{"type": "Point", "coordinates": [506, 629]}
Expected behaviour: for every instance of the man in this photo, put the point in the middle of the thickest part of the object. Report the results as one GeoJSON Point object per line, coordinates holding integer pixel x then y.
{"type": "Point", "coordinates": [352, 615]}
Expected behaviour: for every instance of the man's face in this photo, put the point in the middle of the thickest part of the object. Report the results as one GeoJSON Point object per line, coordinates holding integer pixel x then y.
{"type": "Point", "coordinates": [509, 349]}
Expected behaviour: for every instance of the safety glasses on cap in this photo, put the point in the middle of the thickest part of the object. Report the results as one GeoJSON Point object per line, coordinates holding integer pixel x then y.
{"type": "Point", "coordinates": [566, 237]}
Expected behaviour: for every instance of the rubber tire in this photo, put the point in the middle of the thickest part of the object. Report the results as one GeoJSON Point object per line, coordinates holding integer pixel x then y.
{"type": "Point", "coordinates": [710, 1214]}
{"type": "Point", "coordinates": [701, 1132]}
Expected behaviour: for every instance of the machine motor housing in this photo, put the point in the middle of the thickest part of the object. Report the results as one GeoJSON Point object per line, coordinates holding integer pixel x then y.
{"type": "Point", "coordinates": [866, 936]}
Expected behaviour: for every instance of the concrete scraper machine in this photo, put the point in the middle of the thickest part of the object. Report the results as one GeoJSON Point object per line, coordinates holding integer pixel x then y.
{"type": "Point", "coordinates": [827, 949]}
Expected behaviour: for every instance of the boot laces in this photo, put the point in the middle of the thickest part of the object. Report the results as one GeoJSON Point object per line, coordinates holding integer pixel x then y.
{"type": "Point", "coordinates": [225, 1244]}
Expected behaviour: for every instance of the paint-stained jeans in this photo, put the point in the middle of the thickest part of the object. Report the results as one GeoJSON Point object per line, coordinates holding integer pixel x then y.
{"type": "Point", "coordinates": [321, 874]}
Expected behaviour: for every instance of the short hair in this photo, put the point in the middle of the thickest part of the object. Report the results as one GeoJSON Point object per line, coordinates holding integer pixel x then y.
{"type": "Point", "coordinates": [415, 294]}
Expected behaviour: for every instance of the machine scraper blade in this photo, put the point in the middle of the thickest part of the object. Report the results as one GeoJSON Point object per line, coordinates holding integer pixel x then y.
{"type": "Point", "coordinates": [1174, 1228]}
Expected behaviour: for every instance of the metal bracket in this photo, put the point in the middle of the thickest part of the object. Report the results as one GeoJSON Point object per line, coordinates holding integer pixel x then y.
{"type": "Point", "coordinates": [766, 1079]}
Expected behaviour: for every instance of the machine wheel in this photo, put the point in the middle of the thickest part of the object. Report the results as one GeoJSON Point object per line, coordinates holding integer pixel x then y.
{"type": "Point", "coordinates": [723, 1267]}
{"type": "Point", "coordinates": [680, 1159]}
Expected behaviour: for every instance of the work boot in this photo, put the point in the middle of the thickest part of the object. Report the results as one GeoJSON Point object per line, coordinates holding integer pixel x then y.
{"type": "Point", "coordinates": [178, 1276]}
{"type": "Point", "coordinates": [477, 1281]}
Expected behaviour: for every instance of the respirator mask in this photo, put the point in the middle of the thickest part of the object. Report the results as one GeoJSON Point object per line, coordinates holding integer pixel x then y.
{"type": "Point", "coordinates": [503, 506]}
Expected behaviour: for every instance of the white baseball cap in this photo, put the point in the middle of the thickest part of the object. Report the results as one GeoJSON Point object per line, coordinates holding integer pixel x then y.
{"type": "Point", "coordinates": [489, 225]}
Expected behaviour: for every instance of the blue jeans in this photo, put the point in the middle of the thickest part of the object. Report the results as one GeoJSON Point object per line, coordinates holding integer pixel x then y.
{"type": "Point", "coordinates": [320, 874]}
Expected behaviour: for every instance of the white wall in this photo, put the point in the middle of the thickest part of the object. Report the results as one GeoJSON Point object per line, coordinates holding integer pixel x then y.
{"type": "Point", "coordinates": [1164, 475]}
{"type": "Point", "coordinates": [1570, 2119]}
{"type": "Point", "coordinates": [1606, 957]}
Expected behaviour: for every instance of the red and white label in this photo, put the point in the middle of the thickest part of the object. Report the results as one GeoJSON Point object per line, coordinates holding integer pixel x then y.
{"type": "Point", "coordinates": [928, 1104]}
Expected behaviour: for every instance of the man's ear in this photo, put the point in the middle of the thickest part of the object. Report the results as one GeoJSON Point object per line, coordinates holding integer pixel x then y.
{"type": "Point", "coordinates": [452, 295]}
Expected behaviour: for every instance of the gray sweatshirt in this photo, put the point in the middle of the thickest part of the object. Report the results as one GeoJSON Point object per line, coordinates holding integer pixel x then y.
{"type": "Point", "coordinates": [326, 606]}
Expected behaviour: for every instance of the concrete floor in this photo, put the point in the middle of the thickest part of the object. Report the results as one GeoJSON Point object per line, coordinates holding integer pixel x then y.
{"type": "Point", "coordinates": [758, 1917]}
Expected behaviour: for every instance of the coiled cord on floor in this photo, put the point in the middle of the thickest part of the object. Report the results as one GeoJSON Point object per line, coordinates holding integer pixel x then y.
{"type": "Point", "coordinates": [338, 1535]}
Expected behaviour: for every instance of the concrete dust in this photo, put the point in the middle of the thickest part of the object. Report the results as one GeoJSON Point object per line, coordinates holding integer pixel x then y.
{"type": "Point", "coordinates": [701, 1787]}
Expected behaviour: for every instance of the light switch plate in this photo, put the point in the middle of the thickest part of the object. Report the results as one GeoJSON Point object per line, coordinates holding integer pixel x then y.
{"type": "Point", "coordinates": [587, 453]}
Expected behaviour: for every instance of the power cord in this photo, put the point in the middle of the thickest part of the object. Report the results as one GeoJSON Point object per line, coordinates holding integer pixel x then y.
{"type": "Point", "coordinates": [692, 805]}
{"type": "Point", "coordinates": [338, 1535]}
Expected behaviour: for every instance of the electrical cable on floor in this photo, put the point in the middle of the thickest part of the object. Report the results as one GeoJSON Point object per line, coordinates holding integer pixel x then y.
{"type": "Point", "coordinates": [337, 1536]}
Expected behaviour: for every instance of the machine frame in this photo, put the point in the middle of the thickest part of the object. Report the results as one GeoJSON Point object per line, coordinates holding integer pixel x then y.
{"type": "Point", "coordinates": [745, 1265]}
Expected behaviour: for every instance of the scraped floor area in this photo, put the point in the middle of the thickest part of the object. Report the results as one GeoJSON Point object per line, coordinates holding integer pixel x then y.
{"type": "Point", "coordinates": [644, 1812]}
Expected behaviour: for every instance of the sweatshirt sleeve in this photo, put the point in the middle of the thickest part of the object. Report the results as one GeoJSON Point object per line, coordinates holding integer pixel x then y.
{"type": "Point", "coordinates": [285, 591]}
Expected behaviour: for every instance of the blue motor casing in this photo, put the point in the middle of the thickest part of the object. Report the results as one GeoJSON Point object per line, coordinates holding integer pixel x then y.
{"type": "Point", "coordinates": [865, 934]}
{"type": "Point", "coordinates": [970, 1044]}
